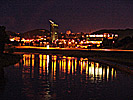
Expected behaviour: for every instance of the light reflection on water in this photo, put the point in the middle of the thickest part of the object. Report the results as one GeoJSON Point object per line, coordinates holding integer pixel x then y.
{"type": "Point", "coordinates": [38, 66]}
{"type": "Point", "coordinates": [55, 77]}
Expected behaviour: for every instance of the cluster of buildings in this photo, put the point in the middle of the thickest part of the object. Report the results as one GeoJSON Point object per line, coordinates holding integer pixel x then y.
{"type": "Point", "coordinates": [69, 39]}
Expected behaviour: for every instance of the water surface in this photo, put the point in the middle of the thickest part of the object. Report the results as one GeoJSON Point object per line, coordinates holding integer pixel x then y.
{"type": "Point", "coordinates": [57, 77]}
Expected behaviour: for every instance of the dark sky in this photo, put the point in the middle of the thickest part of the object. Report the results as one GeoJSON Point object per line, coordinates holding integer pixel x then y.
{"type": "Point", "coordinates": [76, 15]}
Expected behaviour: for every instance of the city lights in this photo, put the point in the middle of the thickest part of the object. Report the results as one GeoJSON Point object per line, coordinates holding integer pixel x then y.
{"type": "Point", "coordinates": [66, 40]}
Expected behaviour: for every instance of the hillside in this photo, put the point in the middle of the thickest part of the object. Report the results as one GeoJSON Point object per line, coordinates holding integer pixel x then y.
{"type": "Point", "coordinates": [121, 32]}
{"type": "Point", "coordinates": [11, 33]}
{"type": "Point", "coordinates": [125, 43]}
{"type": "Point", "coordinates": [35, 32]}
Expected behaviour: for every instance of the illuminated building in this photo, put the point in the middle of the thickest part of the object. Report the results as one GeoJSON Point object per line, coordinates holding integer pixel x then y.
{"type": "Point", "coordinates": [104, 39]}
{"type": "Point", "coordinates": [68, 32]}
{"type": "Point", "coordinates": [53, 30]}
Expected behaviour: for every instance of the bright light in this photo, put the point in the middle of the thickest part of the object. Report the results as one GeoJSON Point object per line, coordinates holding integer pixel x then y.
{"type": "Point", "coordinates": [47, 46]}
{"type": "Point", "coordinates": [100, 35]}
{"type": "Point", "coordinates": [23, 39]}
{"type": "Point", "coordinates": [113, 41]}
{"type": "Point", "coordinates": [72, 40]}
{"type": "Point", "coordinates": [116, 35]}
{"type": "Point", "coordinates": [11, 39]}
{"type": "Point", "coordinates": [69, 42]}
{"type": "Point", "coordinates": [81, 42]}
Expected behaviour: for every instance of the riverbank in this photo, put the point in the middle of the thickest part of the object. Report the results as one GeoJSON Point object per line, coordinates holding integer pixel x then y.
{"type": "Point", "coordinates": [8, 59]}
{"type": "Point", "coordinates": [120, 58]}
{"type": "Point", "coordinates": [5, 61]}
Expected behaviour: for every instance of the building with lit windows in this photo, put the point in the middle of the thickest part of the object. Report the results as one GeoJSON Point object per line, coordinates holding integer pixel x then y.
{"type": "Point", "coordinates": [53, 30]}
{"type": "Point", "coordinates": [102, 39]}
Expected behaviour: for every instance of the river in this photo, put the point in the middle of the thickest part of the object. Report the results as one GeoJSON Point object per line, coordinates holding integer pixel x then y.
{"type": "Point", "coordinates": [56, 77]}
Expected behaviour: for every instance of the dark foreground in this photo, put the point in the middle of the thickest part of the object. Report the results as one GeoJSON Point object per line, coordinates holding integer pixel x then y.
{"type": "Point", "coordinates": [5, 61]}
{"type": "Point", "coordinates": [51, 77]}
{"type": "Point", "coordinates": [8, 59]}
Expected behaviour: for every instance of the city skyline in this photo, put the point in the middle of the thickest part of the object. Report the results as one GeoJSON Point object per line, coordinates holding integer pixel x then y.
{"type": "Point", "coordinates": [77, 16]}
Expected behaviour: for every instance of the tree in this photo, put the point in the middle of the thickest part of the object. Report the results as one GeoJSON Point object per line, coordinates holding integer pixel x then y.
{"type": "Point", "coordinates": [3, 38]}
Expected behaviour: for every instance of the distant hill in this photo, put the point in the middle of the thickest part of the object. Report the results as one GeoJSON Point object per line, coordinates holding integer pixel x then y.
{"type": "Point", "coordinates": [121, 32]}
{"type": "Point", "coordinates": [11, 33]}
{"type": "Point", "coordinates": [35, 32]}
{"type": "Point", "coordinates": [125, 43]}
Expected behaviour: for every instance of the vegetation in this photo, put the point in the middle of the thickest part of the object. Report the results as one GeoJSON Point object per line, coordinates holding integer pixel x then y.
{"type": "Point", "coordinates": [125, 43]}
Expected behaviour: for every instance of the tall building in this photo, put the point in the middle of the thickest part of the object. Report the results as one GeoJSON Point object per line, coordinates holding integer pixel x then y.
{"type": "Point", "coordinates": [53, 30]}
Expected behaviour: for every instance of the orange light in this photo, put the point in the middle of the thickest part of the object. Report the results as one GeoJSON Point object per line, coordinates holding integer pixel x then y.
{"type": "Point", "coordinates": [82, 42]}
{"type": "Point", "coordinates": [72, 40]}
{"type": "Point", "coordinates": [12, 39]}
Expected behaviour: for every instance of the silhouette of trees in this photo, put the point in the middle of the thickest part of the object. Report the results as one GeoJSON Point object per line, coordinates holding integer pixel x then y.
{"type": "Point", "coordinates": [3, 38]}
{"type": "Point", "coordinates": [125, 42]}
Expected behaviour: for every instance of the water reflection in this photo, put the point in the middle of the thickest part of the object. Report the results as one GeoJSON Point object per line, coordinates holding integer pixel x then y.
{"type": "Point", "coordinates": [38, 65]}
{"type": "Point", "coordinates": [44, 74]}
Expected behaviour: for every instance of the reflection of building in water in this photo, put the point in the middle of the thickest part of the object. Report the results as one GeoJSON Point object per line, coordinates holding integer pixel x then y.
{"type": "Point", "coordinates": [61, 67]}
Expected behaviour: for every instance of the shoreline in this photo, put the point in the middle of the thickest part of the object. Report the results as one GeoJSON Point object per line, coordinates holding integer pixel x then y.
{"type": "Point", "coordinates": [7, 59]}
{"type": "Point", "coordinates": [120, 60]}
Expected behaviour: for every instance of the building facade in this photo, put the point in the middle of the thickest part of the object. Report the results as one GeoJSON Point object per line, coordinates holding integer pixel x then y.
{"type": "Point", "coordinates": [53, 30]}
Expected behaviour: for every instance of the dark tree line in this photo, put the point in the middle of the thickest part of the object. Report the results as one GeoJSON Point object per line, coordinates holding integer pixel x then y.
{"type": "Point", "coordinates": [3, 38]}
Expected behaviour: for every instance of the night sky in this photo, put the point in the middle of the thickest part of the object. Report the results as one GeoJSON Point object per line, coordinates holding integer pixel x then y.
{"type": "Point", "coordinates": [75, 15]}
